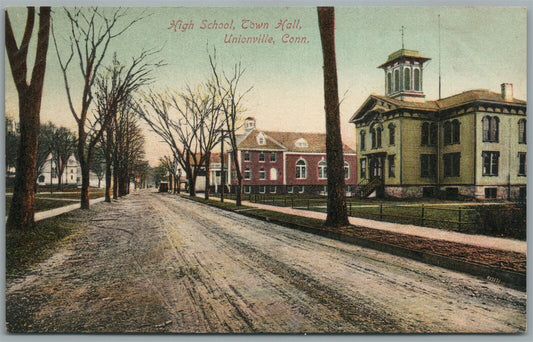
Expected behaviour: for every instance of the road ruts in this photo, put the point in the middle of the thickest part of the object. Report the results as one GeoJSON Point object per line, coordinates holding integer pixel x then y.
{"type": "Point", "coordinates": [158, 263]}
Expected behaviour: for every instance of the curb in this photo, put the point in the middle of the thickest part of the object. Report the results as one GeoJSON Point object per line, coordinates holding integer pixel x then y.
{"type": "Point", "coordinates": [510, 279]}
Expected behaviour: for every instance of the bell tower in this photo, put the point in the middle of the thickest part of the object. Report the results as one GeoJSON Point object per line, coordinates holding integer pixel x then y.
{"type": "Point", "coordinates": [403, 75]}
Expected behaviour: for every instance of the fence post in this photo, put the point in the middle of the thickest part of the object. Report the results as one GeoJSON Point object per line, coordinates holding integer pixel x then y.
{"type": "Point", "coordinates": [422, 215]}
{"type": "Point", "coordinates": [308, 204]}
{"type": "Point", "coordinates": [459, 220]}
{"type": "Point", "coordinates": [292, 203]}
{"type": "Point", "coordinates": [350, 209]}
{"type": "Point", "coordinates": [381, 211]}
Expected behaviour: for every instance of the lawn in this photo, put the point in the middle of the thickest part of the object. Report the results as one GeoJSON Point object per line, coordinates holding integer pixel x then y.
{"type": "Point", "coordinates": [28, 247]}
{"type": "Point", "coordinates": [46, 201]}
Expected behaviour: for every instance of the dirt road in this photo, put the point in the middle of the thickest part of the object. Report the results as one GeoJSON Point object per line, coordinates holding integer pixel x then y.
{"type": "Point", "coordinates": [157, 263]}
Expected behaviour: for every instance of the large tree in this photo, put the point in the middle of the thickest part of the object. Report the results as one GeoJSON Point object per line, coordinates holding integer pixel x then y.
{"type": "Point", "coordinates": [337, 215]}
{"type": "Point", "coordinates": [63, 145]}
{"type": "Point", "coordinates": [21, 214]}
{"type": "Point", "coordinates": [90, 34]}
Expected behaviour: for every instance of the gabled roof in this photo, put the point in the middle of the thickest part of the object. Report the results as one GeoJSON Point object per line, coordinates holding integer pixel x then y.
{"type": "Point", "coordinates": [286, 141]}
{"type": "Point", "coordinates": [373, 105]}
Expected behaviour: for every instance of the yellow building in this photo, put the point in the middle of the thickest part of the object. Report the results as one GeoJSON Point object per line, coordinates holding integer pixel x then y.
{"type": "Point", "coordinates": [470, 144]}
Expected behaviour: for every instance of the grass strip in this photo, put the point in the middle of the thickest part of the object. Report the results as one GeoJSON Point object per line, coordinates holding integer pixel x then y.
{"type": "Point", "coordinates": [25, 248]}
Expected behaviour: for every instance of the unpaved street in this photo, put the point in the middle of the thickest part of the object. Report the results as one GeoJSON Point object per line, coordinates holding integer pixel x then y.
{"type": "Point", "coordinates": [157, 263]}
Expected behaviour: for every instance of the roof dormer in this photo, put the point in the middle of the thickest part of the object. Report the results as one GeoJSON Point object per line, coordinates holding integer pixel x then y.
{"type": "Point", "coordinates": [261, 140]}
{"type": "Point", "coordinates": [301, 143]}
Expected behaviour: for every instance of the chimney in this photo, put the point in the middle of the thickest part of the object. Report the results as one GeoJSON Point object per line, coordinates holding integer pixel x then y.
{"type": "Point", "coordinates": [507, 91]}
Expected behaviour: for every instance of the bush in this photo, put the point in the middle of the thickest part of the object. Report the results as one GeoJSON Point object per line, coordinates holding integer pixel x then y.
{"type": "Point", "coordinates": [505, 221]}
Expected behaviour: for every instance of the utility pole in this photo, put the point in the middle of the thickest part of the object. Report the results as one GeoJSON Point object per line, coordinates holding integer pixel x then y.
{"type": "Point", "coordinates": [222, 176]}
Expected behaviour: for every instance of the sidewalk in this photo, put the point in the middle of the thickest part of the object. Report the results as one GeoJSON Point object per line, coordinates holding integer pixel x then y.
{"type": "Point", "coordinates": [58, 211]}
{"type": "Point", "coordinates": [433, 233]}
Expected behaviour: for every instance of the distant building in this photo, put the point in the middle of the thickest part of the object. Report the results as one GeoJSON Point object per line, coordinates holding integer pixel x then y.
{"type": "Point", "coordinates": [71, 175]}
{"type": "Point", "coordinates": [275, 162]}
{"type": "Point", "coordinates": [469, 144]}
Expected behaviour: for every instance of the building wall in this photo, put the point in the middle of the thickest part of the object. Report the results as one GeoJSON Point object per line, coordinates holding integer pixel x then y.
{"type": "Point", "coordinates": [255, 166]}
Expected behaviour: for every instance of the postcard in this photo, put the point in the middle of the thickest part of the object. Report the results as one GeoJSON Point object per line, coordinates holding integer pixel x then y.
{"type": "Point", "coordinates": [266, 170]}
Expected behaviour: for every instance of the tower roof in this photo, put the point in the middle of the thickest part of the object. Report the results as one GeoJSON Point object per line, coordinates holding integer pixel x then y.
{"type": "Point", "coordinates": [404, 53]}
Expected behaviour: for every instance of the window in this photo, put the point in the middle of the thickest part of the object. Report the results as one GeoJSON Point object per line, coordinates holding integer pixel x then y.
{"type": "Point", "coordinates": [417, 79]}
{"type": "Point", "coordinates": [491, 192]}
{"type": "Point", "coordinates": [490, 163]}
{"type": "Point", "coordinates": [363, 168]}
{"type": "Point", "coordinates": [392, 171]}
{"type": "Point", "coordinates": [346, 170]}
{"type": "Point", "coordinates": [273, 189]}
{"type": "Point", "coordinates": [41, 179]}
{"type": "Point", "coordinates": [522, 164]}
{"type": "Point", "coordinates": [273, 156]}
{"type": "Point", "coordinates": [429, 132]}
{"type": "Point", "coordinates": [407, 79]}
{"type": "Point", "coordinates": [301, 169]}
{"type": "Point", "coordinates": [324, 190]}
{"type": "Point", "coordinates": [375, 135]}
{"type": "Point", "coordinates": [362, 140]}
{"type": "Point", "coordinates": [522, 131]}
{"type": "Point", "coordinates": [452, 165]}
{"type": "Point", "coordinates": [262, 174]}
{"type": "Point", "coordinates": [490, 128]}
{"type": "Point", "coordinates": [396, 80]}
{"type": "Point", "coordinates": [301, 143]}
{"type": "Point", "coordinates": [273, 174]}
{"type": "Point", "coordinates": [246, 189]}
{"type": "Point", "coordinates": [428, 165]}
{"type": "Point", "coordinates": [389, 82]}
{"type": "Point", "coordinates": [261, 139]}
{"type": "Point", "coordinates": [290, 189]}
{"type": "Point", "coordinates": [302, 189]}
{"type": "Point", "coordinates": [392, 132]}
{"type": "Point", "coordinates": [447, 133]}
{"type": "Point", "coordinates": [322, 169]}
{"type": "Point", "coordinates": [456, 132]}
{"type": "Point", "coordinates": [262, 189]}
{"type": "Point", "coordinates": [246, 155]}
{"type": "Point", "coordinates": [262, 156]}
{"type": "Point", "coordinates": [247, 173]}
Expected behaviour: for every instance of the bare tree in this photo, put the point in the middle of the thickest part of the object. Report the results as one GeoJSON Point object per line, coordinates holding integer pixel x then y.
{"type": "Point", "coordinates": [227, 88]}
{"type": "Point", "coordinates": [170, 166]}
{"type": "Point", "coordinates": [91, 31]}
{"type": "Point", "coordinates": [337, 215]}
{"type": "Point", "coordinates": [186, 122]}
{"type": "Point", "coordinates": [99, 163]}
{"type": "Point", "coordinates": [21, 214]}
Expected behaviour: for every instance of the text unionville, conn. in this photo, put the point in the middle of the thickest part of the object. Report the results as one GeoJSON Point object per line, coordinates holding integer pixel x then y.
{"type": "Point", "coordinates": [245, 24]}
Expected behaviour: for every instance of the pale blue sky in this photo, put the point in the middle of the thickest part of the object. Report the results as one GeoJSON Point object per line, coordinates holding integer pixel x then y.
{"type": "Point", "coordinates": [480, 48]}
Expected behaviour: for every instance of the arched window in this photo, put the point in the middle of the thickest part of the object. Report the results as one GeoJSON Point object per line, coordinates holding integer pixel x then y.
{"type": "Point", "coordinates": [322, 169]}
{"type": "Point", "coordinates": [301, 143]}
{"type": "Point", "coordinates": [346, 170]}
{"type": "Point", "coordinates": [417, 79]}
{"type": "Point", "coordinates": [389, 83]}
{"type": "Point", "coordinates": [392, 132]}
{"type": "Point", "coordinates": [375, 135]}
{"type": "Point", "coordinates": [456, 132]}
{"type": "Point", "coordinates": [522, 131]}
{"type": "Point", "coordinates": [362, 140]}
{"type": "Point", "coordinates": [407, 78]}
{"type": "Point", "coordinates": [447, 133]}
{"type": "Point", "coordinates": [261, 139]}
{"type": "Point", "coordinates": [491, 128]}
{"type": "Point", "coordinates": [396, 80]}
{"type": "Point", "coordinates": [301, 169]}
{"type": "Point", "coordinates": [273, 174]}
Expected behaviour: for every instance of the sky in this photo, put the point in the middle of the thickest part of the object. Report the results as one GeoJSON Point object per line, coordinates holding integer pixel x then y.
{"type": "Point", "coordinates": [480, 48]}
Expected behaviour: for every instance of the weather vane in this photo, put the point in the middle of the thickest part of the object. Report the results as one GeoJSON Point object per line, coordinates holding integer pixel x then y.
{"type": "Point", "coordinates": [402, 30]}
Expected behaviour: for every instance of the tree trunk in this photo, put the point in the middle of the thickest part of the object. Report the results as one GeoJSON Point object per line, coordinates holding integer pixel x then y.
{"type": "Point", "coordinates": [337, 215]}
{"type": "Point", "coordinates": [108, 175]}
{"type": "Point", "coordinates": [85, 185]}
{"type": "Point", "coordinates": [207, 175]}
{"type": "Point", "coordinates": [21, 215]}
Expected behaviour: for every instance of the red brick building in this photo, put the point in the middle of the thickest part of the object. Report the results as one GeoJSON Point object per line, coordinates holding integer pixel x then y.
{"type": "Point", "coordinates": [287, 162]}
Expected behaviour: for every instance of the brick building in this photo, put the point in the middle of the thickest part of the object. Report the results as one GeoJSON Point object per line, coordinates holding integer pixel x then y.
{"type": "Point", "coordinates": [287, 162]}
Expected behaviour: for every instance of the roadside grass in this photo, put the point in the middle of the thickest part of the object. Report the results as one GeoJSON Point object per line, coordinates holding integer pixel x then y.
{"type": "Point", "coordinates": [216, 203]}
{"type": "Point", "coordinates": [46, 201]}
{"type": "Point", "coordinates": [25, 248]}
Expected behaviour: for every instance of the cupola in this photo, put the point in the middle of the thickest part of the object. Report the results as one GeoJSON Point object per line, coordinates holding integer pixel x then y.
{"type": "Point", "coordinates": [403, 75]}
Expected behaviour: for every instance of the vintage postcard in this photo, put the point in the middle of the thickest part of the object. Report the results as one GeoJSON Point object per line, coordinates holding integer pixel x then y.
{"type": "Point", "coordinates": [270, 170]}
